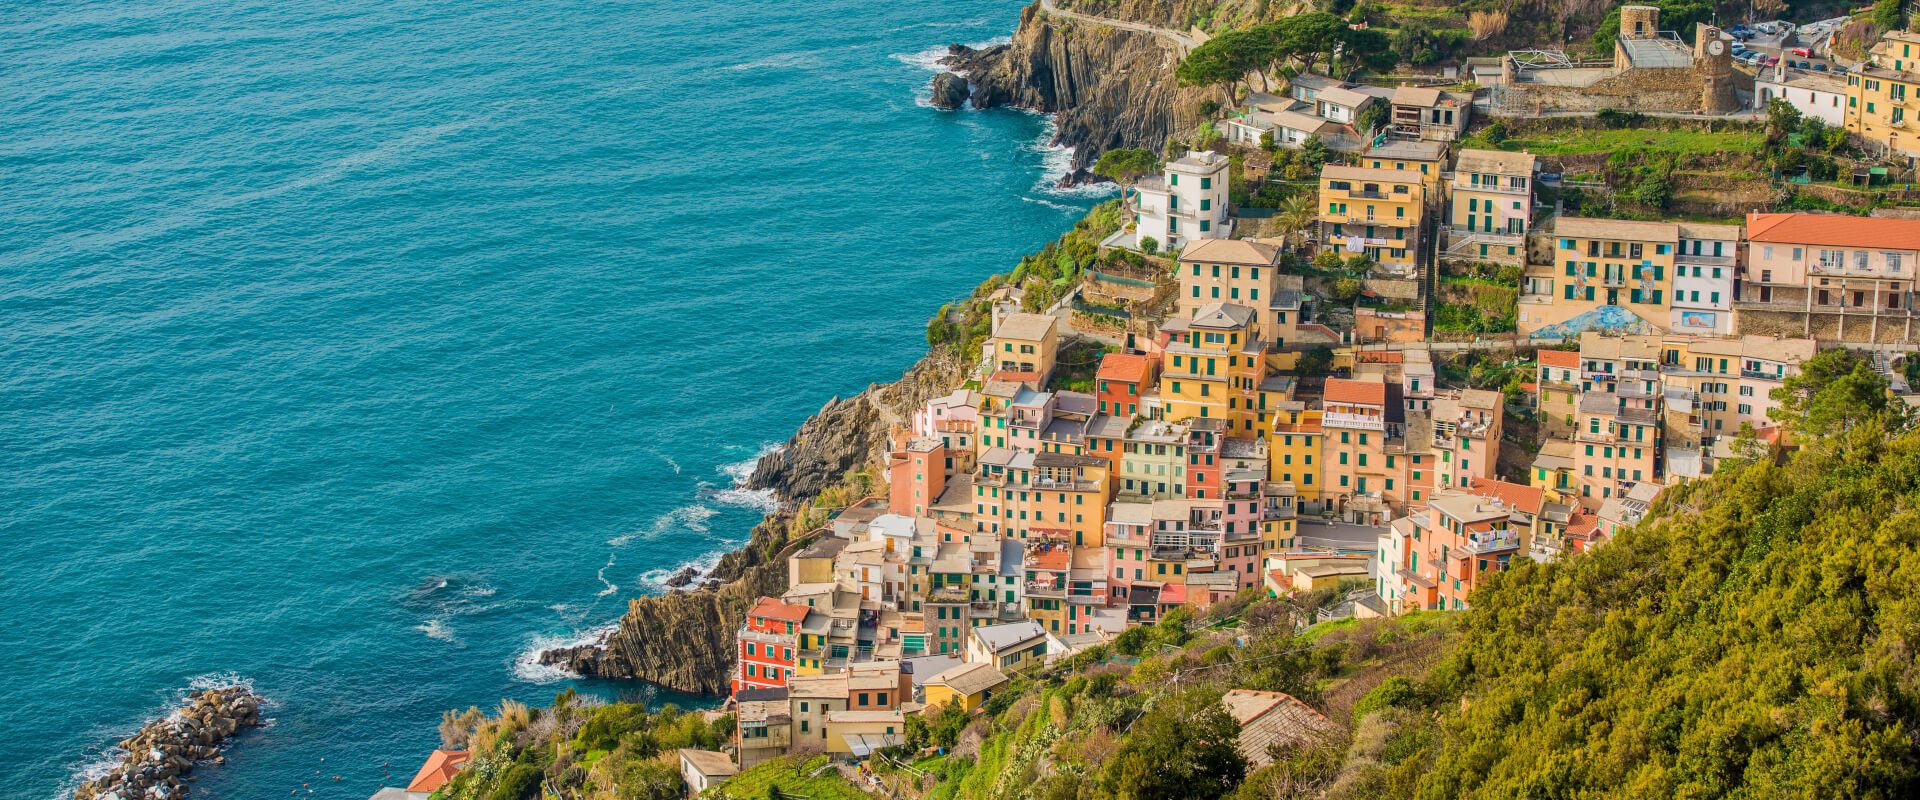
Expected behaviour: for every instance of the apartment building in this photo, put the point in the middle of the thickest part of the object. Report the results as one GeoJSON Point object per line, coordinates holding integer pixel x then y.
{"type": "Point", "coordinates": [1435, 560]}
{"type": "Point", "coordinates": [1186, 203]}
{"type": "Point", "coordinates": [1211, 366]}
{"type": "Point", "coordinates": [1373, 211]}
{"type": "Point", "coordinates": [1242, 273]}
{"type": "Point", "coordinates": [1154, 464]}
{"type": "Point", "coordinates": [1883, 96]}
{"type": "Point", "coordinates": [1024, 345]}
{"type": "Point", "coordinates": [1595, 264]}
{"type": "Point", "coordinates": [1121, 380]}
{"type": "Point", "coordinates": [1704, 270]}
{"type": "Point", "coordinates": [1293, 444]}
{"type": "Point", "coordinates": [917, 471]}
{"type": "Point", "coordinates": [1829, 277]}
{"type": "Point", "coordinates": [767, 643]}
{"type": "Point", "coordinates": [1466, 435]}
{"type": "Point", "coordinates": [1618, 442]}
{"type": "Point", "coordinates": [1559, 391]}
{"type": "Point", "coordinates": [1491, 206]}
{"type": "Point", "coordinates": [1359, 419]}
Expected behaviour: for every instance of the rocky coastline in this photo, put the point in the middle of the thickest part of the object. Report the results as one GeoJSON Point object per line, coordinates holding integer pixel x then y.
{"type": "Point", "coordinates": [683, 640]}
{"type": "Point", "coordinates": [1106, 87]}
{"type": "Point", "coordinates": [161, 754]}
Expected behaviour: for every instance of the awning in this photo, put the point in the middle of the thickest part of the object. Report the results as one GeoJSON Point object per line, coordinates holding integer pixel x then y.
{"type": "Point", "coordinates": [863, 744]}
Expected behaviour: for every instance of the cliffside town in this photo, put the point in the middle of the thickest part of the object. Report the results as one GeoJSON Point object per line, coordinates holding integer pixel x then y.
{"type": "Point", "coordinates": [1349, 347]}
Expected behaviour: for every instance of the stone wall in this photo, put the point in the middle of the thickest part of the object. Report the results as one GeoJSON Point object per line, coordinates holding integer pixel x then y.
{"type": "Point", "coordinates": [1627, 90]}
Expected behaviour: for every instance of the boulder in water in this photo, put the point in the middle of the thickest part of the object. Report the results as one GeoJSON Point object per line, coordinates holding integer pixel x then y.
{"type": "Point", "coordinates": [950, 91]}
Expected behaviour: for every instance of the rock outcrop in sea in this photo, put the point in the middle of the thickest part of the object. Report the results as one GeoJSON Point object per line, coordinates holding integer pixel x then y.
{"type": "Point", "coordinates": [163, 752]}
{"type": "Point", "coordinates": [950, 91]}
{"type": "Point", "coordinates": [683, 640]}
{"type": "Point", "coordinates": [1107, 87]}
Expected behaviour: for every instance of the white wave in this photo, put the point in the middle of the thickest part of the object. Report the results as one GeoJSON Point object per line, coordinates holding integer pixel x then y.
{"type": "Point", "coordinates": [929, 59]}
{"type": "Point", "coordinates": [527, 666]}
{"type": "Point", "coordinates": [1050, 204]}
{"type": "Point", "coordinates": [1055, 162]}
{"type": "Point", "coordinates": [602, 575]}
{"type": "Point", "coordinates": [656, 580]}
{"type": "Point", "coordinates": [479, 590]}
{"type": "Point", "coordinates": [740, 471]}
{"type": "Point", "coordinates": [436, 629]}
{"type": "Point", "coordinates": [693, 518]}
{"type": "Point", "coordinates": [672, 463]}
{"type": "Point", "coordinates": [761, 500]}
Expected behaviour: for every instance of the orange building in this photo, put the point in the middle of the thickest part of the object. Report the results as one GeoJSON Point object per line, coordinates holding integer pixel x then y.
{"type": "Point", "coordinates": [767, 644]}
{"type": "Point", "coordinates": [916, 475]}
{"type": "Point", "coordinates": [1122, 380]}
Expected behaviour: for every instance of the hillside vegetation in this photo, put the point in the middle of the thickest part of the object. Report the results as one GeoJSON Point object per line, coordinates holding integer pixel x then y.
{"type": "Point", "coordinates": [1755, 638]}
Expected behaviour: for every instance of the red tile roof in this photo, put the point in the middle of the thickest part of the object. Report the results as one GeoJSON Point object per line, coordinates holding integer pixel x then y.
{"type": "Point", "coordinates": [775, 608]}
{"type": "Point", "coordinates": [1834, 230]}
{"type": "Point", "coordinates": [1125, 367]}
{"type": "Point", "coordinates": [1343, 390]}
{"type": "Point", "coordinates": [1512, 495]}
{"type": "Point", "coordinates": [1559, 358]}
{"type": "Point", "coordinates": [1173, 593]}
{"type": "Point", "coordinates": [439, 769]}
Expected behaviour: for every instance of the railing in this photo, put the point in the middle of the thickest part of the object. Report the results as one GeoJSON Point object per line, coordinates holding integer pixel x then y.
{"type": "Point", "coordinates": [1704, 260]}
{"type": "Point", "coordinates": [1596, 438]}
{"type": "Point", "coordinates": [1482, 543]}
{"type": "Point", "coordinates": [1278, 512]}
{"type": "Point", "coordinates": [1765, 376]}
{"type": "Point", "coordinates": [1065, 485]}
{"type": "Point", "coordinates": [1338, 420]}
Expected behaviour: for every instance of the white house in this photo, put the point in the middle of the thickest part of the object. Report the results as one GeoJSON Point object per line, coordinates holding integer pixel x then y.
{"type": "Point", "coordinates": [1703, 279]}
{"type": "Point", "coordinates": [1813, 94]}
{"type": "Point", "coordinates": [1188, 202]}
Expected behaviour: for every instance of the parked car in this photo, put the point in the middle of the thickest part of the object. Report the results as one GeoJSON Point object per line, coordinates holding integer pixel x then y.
{"type": "Point", "coordinates": [1770, 60]}
{"type": "Point", "coordinates": [1803, 52]}
{"type": "Point", "coordinates": [1819, 68]}
{"type": "Point", "coordinates": [1840, 70]}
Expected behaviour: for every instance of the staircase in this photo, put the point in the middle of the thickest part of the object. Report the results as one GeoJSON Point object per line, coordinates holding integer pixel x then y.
{"type": "Point", "coordinates": [1426, 260]}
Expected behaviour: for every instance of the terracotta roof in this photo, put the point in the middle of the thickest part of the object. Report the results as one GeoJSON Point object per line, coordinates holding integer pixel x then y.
{"type": "Point", "coordinates": [1231, 251]}
{"type": "Point", "coordinates": [1559, 358]}
{"type": "Point", "coordinates": [773, 608]}
{"type": "Point", "coordinates": [1021, 325]}
{"type": "Point", "coordinates": [1343, 390]}
{"type": "Point", "coordinates": [1512, 495]}
{"type": "Point", "coordinates": [1415, 96]}
{"type": "Point", "coordinates": [1268, 719]}
{"type": "Point", "coordinates": [1834, 230]}
{"type": "Point", "coordinates": [1125, 367]}
{"type": "Point", "coordinates": [439, 769]}
{"type": "Point", "coordinates": [1173, 593]}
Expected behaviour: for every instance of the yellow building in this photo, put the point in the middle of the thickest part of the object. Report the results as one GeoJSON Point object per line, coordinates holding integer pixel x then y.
{"type": "Point", "coordinates": [1024, 343]}
{"type": "Point", "coordinates": [1602, 262]}
{"type": "Point", "coordinates": [1292, 446]}
{"type": "Point", "coordinates": [1377, 210]}
{"type": "Point", "coordinates": [1406, 155]}
{"type": "Point", "coordinates": [1070, 499]}
{"type": "Point", "coordinates": [859, 733]}
{"type": "Point", "coordinates": [1883, 96]}
{"type": "Point", "coordinates": [968, 684]}
{"type": "Point", "coordinates": [1212, 367]}
{"type": "Point", "coordinates": [1242, 273]}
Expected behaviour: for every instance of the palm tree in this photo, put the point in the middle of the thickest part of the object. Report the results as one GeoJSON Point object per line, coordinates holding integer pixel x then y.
{"type": "Point", "coordinates": [1296, 213]}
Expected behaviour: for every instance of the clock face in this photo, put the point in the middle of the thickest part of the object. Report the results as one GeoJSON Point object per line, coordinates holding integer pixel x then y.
{"type": "Point", "coordinates": [1716, 47]}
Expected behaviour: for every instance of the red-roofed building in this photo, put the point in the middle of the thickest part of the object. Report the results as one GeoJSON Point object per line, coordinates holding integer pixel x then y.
{"type": "Point", "coordinates": [1830, 276]}
{"type": "Point", "coordinates": [1123, 378]}
{"type": "Point", "coordinates": [767, 644]}
{"type": "Point", "coordinates": [440, 768]}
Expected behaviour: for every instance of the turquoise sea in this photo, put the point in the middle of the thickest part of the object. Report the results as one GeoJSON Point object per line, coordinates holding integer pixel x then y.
{"type": "Point", "coordinates": [357, 350]}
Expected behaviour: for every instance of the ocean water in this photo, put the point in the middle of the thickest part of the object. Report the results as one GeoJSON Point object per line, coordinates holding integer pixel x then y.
{"type": "Point", "coordinates": [358, 350]}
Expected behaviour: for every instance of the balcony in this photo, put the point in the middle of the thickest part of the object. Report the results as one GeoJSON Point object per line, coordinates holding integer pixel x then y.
{"type": "Point", "coordinates": [1602, 437]}
{"type": "Point", "coordinates": [1493, 542]}
{"type": "Point", "coordinates": [1333, 419]}
{"type": "Point", "coordinates": [1065, 484]}
{"type": "Point", "coordinates": [1181, 213]}
{"type": "Point", "coordinates": [1704, 260]}
{"type": "Point", "coordinates": [1033, 422]}
{"type": "Point", "coordinates": [1278, 512]}
{"type": "Point", "coordinates": [949, 594]}
{"type": "Point", "coordinates": [1045, 589]}
{"type": "Point", "coordinates": [1760, 375]}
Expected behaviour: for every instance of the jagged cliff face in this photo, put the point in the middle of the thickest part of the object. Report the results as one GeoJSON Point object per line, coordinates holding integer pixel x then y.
{"type": "Point", "coordinates": [684, 640]}
{"type": "Point", "coordinates": [1107, 87]}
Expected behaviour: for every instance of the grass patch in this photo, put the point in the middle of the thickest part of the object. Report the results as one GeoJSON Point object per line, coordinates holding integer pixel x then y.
{"type": "Point", "coordinates": [1584, 140]}
{"type": "Point", "coordinates": [1315, 633]}
{"type": "Point", "coordinates": [790, 774]}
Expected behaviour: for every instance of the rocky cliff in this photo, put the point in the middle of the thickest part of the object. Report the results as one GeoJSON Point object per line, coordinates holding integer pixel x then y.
{"type": "Point", "coordinates": [1107, 87]}
{"type": "Point", "coordinates": [684, 640]}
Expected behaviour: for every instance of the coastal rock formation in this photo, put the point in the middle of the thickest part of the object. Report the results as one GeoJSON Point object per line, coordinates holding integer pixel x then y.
{"type": "Point", "coordinates": [949, 90]}
{"type": "Point", "coordinates": [167, 748]}
{"type": "Point", "coordinates": [1107, 87]}
{"type": "Point", "coordinates": [684, 640]}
